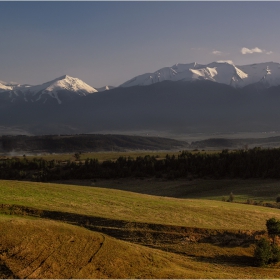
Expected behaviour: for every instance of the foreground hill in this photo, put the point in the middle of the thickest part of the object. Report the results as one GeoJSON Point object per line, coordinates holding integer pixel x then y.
{"type": "Point", "coordinates": [208, 239]}
{"type": "Point", "coordinates": [56, 250]}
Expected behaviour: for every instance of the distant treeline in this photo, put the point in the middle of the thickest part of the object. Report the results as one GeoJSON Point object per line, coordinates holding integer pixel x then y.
{"type": "Point", "coordinates": [253, 163]}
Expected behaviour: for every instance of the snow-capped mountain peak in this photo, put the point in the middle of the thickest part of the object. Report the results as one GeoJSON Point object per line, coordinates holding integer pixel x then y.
{"type": "Point", "coordinates": [69, 83]}
{"type": "Point", "coordinates": [223, 71]}
{"type": "Point", "coordinates": [62, 88]}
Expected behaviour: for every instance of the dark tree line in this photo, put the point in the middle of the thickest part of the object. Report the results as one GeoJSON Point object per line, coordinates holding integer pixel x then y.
{"type": "Point", "coordinates": [254, 163]}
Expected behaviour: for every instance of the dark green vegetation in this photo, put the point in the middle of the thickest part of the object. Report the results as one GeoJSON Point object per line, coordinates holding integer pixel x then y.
{"type": "Point", "coordinates": [254, 163]}
{"type": "Point", "coordinates": [273, 228]}
{"type": "Point", "coordinates": [268, 251]}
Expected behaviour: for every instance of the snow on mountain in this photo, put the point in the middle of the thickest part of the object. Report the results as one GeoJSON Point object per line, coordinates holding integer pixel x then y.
{"type": "Point", "coordinates": [268, 73]}
{"type": "Point", "coordinates": [3, 87]}
{"type": "Point", "coordinates": [105, 88]}
{"type": "Point", "coordinates": [64, 87]}
{"type": "Point", "coordinates": [224, 72]}
{"type": "Point", "coordinates": [175, 73]}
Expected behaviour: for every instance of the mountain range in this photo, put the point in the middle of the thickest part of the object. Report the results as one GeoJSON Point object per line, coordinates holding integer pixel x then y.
{"type": "Point", "coordinates": [225, 72]}
{"type": "Point", "coordinates": [184, 98]}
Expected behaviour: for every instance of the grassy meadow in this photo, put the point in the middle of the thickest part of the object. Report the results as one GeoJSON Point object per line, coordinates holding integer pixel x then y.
{"type": "Point", "coordinates": [129, 206]}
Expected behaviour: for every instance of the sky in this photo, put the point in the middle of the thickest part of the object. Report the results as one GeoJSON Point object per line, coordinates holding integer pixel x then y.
{"type": "Point", "coordinates": [108, 43]}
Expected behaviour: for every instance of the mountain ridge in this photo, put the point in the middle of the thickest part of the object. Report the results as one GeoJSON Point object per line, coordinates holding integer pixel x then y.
{"type": "Point", "coordinates": [65, 88]}
{"type": "Point", "coordinates": [49, 90]}
{"type": "Point", "coordinates": [167, 108]}
{"type": "Point", "coordinates": [225, 72]}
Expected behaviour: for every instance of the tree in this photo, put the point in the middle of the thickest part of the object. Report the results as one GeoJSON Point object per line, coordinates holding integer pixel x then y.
{"type": "Point", "coordinates": [77, 156]}
{"type": "Point", "coordinates": [273, 228]}
{"type": "Point", "coordinates": [265, 252]}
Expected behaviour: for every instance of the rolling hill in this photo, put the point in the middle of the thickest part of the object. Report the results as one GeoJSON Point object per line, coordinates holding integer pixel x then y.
{"type": "Point", "coordinates": [168, 237]}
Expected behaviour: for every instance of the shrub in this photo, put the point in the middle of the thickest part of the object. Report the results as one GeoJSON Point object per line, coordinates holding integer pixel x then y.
{"type": "Point", "coordinates": [278, 198]}
{"type": "Point", "coordinates": [263, 252]}
{"type": "Point", "coordinates": [275, 253]}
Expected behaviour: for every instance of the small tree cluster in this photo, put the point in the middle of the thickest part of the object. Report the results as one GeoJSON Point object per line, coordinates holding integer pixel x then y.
{"type": "Point", "coordinates": [267, 252]}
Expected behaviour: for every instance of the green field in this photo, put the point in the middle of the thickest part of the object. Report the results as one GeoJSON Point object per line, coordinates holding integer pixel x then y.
{"type": "Point", "coordinates": [129, 206]}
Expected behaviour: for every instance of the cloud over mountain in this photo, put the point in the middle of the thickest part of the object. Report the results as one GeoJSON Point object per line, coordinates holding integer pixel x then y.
{"type": "Point", "coordinates": [249, 51]}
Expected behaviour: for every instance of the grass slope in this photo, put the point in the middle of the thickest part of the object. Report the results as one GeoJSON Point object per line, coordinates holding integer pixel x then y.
{"type": "Point", "coordinates": [48, 249]}
{"type": "Point", "coordinates": [122, 205]}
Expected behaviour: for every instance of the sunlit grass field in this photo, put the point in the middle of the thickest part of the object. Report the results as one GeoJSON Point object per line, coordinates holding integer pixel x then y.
{"type": "Point", "coordinates": [49, 249]}
{"type": "Point", "coordinates": [129, 206]}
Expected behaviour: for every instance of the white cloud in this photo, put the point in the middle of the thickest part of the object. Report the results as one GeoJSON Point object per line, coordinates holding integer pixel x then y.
{"type": "Point", "coordinates": [254, 50]}
{"type": "Point", "coordinates": [217, 52]}
{"type": "Point", "coordinates": [270, 52]}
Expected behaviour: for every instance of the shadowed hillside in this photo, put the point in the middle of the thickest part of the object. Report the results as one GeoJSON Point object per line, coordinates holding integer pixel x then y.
{"type": "Point", "coordinates": [85, 143]}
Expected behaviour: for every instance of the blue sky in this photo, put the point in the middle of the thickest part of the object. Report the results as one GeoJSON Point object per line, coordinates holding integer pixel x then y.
{"type": "Point", "coordinates": [108, 43]}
